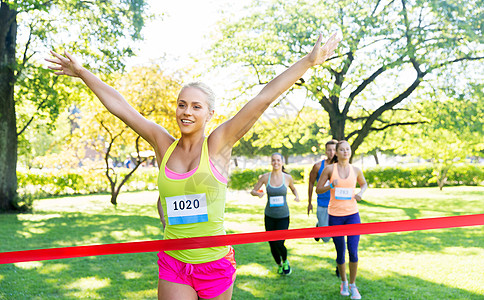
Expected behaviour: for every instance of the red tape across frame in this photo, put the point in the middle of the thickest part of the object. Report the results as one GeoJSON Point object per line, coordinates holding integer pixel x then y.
{"type": "Point", "coordinates": [241, 238]}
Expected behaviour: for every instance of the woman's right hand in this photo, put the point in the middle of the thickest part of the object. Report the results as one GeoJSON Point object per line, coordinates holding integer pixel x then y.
{"type": "Point", "coordinates": [67, 65]}
{"type": "Point", "coordinates": [335, 183]}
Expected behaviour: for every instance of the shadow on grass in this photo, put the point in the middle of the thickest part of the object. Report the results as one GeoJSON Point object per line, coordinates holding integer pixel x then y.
{"type": "Point", "coordinates": [134, 276]}
{"type": "Point", "coordinates": [313, 277]}
{"type": "Point", "coordinates": [70, 229]}
{"type": "Point", "coordinates": [411, 212]}
{"type": "Point", "coordinates": [425, 240]}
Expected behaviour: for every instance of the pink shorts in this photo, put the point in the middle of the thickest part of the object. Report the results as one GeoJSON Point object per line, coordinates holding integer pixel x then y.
{"type": "Point", "coordinates": [208, 279]}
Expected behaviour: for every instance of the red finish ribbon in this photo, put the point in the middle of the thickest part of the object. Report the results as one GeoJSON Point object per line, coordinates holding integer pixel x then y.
{"type": "Point", "coordinates": [241, 238]}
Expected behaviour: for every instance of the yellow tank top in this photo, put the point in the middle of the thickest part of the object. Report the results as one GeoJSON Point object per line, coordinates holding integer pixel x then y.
{"type": "Point", "coordinates": [193, 207]}
{"type": "Point", "coordinates": [342, 201]}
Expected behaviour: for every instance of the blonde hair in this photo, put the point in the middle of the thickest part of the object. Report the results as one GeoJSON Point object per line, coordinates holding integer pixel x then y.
{"type": "Point", "coordinates": [206, 90]}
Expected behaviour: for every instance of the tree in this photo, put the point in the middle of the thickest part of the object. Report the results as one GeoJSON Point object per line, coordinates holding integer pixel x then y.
{"type": "Point", "coordinates": [290, 134]}
{"type": "Point", "coordinates": [152, 93]}
{"type": "Point", "coordinates": [454, 132]}
{"type": "Point", "coordinates": [97, 29]}
{"type": "Point", "coordinates": [390, 53]}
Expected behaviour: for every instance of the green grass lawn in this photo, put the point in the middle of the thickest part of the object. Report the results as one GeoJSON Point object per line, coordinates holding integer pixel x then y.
{"type": "Point", "coordinates": [431, 264]}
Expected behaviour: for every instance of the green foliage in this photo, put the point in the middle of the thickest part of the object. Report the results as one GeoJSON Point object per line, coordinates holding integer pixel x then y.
{"type": "Point", "coordinates": [294, 133]}
{"type": "Point", "coordinates": [81, 181]}
{"type": "Point", "coordinates": [246, 179]}
{"type": "Point", "coordinates": [88, 181]}
{"type": "Point", "coordinates": [420, 265]}
{"type": "Point", "coordinates": [423, 176]}
{"type": "Point", "coordinates": [389, 177]}
{"type": "Point", "coordinates": [391, 53]}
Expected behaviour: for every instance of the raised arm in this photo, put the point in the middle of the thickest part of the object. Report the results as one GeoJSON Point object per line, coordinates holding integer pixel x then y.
{"type": "Point", "coordinates": [112, 100]}
{"type": "Point", "coordinates": [231, 131]}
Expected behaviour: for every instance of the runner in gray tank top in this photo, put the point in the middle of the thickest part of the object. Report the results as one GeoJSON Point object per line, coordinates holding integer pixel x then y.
{"type": "Point", "coordinates": [276, 213]}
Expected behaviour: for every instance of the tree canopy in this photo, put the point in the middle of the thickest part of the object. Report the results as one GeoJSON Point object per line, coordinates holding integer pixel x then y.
{"type": "Point", "coordinates": [392, 53]}
{"type": "Point", "coordinates": [100, 31]}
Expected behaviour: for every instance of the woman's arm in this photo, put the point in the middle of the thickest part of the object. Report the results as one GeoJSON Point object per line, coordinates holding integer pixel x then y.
{"type": "Point", "coordinates": [227, 134]}
{"type": "Point", "coordinates": [256, 191]}
{"type": "Point", "coordinates": [312, 178]}
{"type": "Point", "coordinates": [112, 100]}
{"type": "Point", "coordinates": [325, 176]}
{"type": "Point", "coordinates": [292, 187]}
{"type": "Point", "coordinates": [362, 182]}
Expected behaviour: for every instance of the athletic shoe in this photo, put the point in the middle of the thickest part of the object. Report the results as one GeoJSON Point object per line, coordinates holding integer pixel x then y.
{"type": "Point", "coordinates": [337, 272]}
{"type": "Point", "coordinates": [286, 268]}
{"type": "Point", "coordinates": [354, 292]}
{"type": "Point", "coordinates": [344, 289]}
{"type": "Point", "coordinates": [280, 271]}
{"type": "Point", "coordinates": [316, 238]}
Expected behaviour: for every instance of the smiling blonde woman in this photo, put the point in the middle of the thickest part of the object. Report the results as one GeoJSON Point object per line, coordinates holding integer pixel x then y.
{"type": "Point", "coordinates": [193, 170]}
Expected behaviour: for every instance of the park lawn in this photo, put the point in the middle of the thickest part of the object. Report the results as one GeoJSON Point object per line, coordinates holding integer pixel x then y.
{"type": "Point", "coordinates": [431, 264]}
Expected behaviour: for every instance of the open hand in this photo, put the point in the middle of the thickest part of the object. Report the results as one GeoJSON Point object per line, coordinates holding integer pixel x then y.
{"type": "Point", "coordinates": [320, 54]}
{"type": "Point", "coordinates": [64, 65]}
{"type": "Point", "coordinates": [310, 208]}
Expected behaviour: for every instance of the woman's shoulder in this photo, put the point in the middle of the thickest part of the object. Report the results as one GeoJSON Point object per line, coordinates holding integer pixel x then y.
{"type": "Point", "coordinates": [356, 169]}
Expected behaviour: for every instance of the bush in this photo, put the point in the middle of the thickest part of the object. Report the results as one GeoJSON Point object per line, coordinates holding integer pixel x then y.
{"type": "Point", "coordinates": [42, 183]}
{"type": "Point", "coordinates": [421, 176]}
{"type": "Point", "coordinates": [378, 177]}
{"type": "Point", "coordinates": [246, 179]}
{"type": "Point", "coordinates": [45, 183]}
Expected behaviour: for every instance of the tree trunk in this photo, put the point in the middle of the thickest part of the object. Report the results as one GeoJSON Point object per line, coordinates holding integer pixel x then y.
{"type": "Point", "coordinates": [442, 177]}
{"type": "Point", "coordinates": [8, 127]}
{"type": "Point", "coordinates": [337, 124]}
{"type": "Point", "coordinates": [114, 196]}
{"type": "Point", "coordinates": [375, 155]}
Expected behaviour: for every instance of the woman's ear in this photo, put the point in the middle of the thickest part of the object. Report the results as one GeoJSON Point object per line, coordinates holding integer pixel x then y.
{"type": "Point", "coordinates": [210, 115]}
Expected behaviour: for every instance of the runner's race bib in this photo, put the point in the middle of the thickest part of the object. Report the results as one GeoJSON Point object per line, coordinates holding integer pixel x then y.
{"type": "Point", "coordinates": [343, 193]}
{"type": "Point", "coordinates": [186, 209]}
{"type": "Point", "coordinates": [275, 201]}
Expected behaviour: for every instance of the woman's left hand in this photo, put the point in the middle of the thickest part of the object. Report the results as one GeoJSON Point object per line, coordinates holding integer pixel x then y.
{"type": "Point", "coordinates": [65, 65]}
{"type": "Point", "coordinates": [320, 54]}
{"type": "Point", "coordinates": [358, 197]}
{"type": "Point", "coordinates": [296, 199]}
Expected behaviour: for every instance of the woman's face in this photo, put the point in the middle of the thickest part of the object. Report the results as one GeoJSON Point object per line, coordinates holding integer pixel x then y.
{"type": "Point", "coordinates": [276, 162]}
{"type": "Point", "coordinates": [330, 151]}
{"type": "Point", "coordinates": [192, 112]}
{"type": "Point", "coordinates": [343, 151]}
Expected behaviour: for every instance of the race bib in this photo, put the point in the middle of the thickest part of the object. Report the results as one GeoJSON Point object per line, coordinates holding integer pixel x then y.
{"type": "Point", "coordinates": [186, 209]}
{"type": "Point", "coordinates": [343, 193]}
{"type": "Point", "coordinates": [275, 201]}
